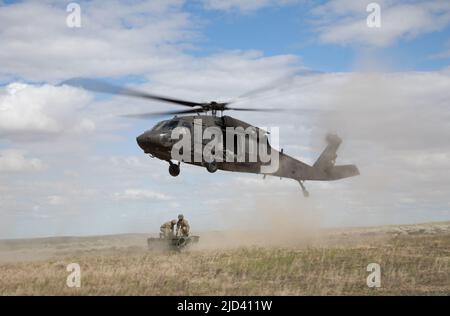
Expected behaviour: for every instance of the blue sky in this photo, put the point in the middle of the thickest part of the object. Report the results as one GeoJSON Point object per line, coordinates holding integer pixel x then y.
{"type": "Point", "coordinates": [290, 30]}
{"type": "Point", "coordinates": [66, 155]}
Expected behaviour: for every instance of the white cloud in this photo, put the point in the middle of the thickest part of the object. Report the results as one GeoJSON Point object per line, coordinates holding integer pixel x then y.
{"type": "Point", "coordinates": [436, 160]}
{"type": "Point", "coordinates": [244, 6]}
{"type": "Point", "coordinates": [139, 194]}
{"type": "Point", "coordinates": [55, 200]}
{"type": "Point", "coordinates": [224, 75]}
{"type": "Point", "coordinates": [29, 110]}
{"type": "Point", "coordinates": [15, 161]}
{"type": "Point", "coordinates": [118, 39]}
{"type": "Point", "coordinates": [344, 21]}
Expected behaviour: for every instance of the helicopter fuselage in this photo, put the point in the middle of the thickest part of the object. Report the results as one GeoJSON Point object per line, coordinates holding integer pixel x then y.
{"type": "Point", "coordinates": [158, 141]}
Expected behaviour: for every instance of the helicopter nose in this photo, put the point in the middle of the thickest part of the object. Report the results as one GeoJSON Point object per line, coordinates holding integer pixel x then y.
{"type": "Point", "coordinates": [143, 141]}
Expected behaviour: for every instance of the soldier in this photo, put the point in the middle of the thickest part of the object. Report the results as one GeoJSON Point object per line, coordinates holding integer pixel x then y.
{"type": "Point", "coordinates": [183, 225]}
{"type": "Point", "coordinates": [167, 229]}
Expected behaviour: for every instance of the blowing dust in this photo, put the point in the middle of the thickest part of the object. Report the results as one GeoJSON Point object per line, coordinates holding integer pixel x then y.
{"type": "Point", "coordinates": [286, 219]}
{"type": "Point", "coordinates": [394, 129]}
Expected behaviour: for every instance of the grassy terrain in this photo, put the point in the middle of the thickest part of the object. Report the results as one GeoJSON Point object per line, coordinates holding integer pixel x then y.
{"type": "Point", "coordinates": [412, 262]}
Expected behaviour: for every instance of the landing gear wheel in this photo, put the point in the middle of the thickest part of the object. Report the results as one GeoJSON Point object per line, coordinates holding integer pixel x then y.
{"type": "Point", "coordinates": [174, 170]}
{"type": "Point", "coordinates": [211, 166]}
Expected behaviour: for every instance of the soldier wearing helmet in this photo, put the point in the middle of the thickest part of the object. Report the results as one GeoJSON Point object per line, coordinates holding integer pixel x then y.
{"type": "Point", "coordinates": [182, 226]}
{"type": "Point", "coordinates": [167, 229]}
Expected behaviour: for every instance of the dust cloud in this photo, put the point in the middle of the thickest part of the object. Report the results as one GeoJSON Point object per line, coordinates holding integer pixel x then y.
{"type": "Point", "coordinates": [286, 219]}
{"type": "Point", "coordinates": [395, 129]}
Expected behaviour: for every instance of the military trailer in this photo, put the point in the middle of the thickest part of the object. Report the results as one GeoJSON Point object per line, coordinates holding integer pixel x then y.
{"type": "Point", "coordinates": [179, 243]}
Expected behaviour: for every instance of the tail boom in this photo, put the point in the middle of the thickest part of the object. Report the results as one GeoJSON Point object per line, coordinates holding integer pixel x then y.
{"type": "Point", "coordinates": [324, 168]}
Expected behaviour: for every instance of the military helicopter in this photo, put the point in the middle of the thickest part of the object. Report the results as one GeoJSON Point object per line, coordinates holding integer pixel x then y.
{"type": "Point", "coordinates": [158, 141]}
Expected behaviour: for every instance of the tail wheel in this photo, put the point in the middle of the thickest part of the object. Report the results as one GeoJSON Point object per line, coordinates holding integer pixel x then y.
{"type": "Point", "coordinates": [305, 192]}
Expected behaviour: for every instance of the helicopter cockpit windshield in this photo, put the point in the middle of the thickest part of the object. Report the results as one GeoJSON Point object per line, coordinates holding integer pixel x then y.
{"type": "Point", "coordinates": [170, 125]}
{"type": "Point", "coordinates": [158, 126]}
{"type": "Point", "coordinates": [166, 125]}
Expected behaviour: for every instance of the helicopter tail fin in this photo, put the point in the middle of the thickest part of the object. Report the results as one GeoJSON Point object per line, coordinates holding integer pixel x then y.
{"type": "Point", "coordinates": [324, 167]}
{"type": "Point", "coordinates": [328, 157]}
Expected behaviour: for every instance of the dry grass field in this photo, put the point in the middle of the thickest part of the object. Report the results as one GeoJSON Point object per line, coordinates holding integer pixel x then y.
{"type": "Point", "coordinates": [415, 260]}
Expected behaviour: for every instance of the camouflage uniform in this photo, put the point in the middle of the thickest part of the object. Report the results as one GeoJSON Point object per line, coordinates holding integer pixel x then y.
{"type": "Point", "coordinates": [167, 229]}
{"type": "Point", "coordinates": [183, 225]}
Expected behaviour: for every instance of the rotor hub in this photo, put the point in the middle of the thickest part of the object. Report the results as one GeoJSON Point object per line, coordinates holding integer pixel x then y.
{"type": "Point", "coordinates": [214, 107]}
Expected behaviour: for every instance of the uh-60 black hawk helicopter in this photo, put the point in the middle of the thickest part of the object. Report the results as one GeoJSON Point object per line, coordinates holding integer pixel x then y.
{"type": "Point", "coordinates": [158, 141]}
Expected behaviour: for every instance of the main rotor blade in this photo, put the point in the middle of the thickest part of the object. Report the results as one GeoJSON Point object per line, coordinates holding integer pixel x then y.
{"type": "Point", "coordinates": [255, 109]}
{"type": "Point", "coordinates": [103, 87]}
{"type": "Point", "coordinates": [283, 110]}
{"type": "Point", "coordinates": [152, 114]}
{"type": "Point", "coordinates": [281, 82]}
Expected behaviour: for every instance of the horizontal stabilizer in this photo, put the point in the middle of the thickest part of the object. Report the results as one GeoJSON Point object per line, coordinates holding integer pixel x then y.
{"type": "Point", "coordinates": [341, 172]}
